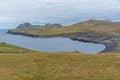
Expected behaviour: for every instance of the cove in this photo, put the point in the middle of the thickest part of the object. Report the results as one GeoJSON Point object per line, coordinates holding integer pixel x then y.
{"type": "Point", "coordinates": [50, 44]}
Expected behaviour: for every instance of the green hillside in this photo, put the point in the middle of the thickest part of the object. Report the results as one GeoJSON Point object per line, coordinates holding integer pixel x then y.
{"type": "Point", "coordinates": [7, 48]}
{"type": "Point", "coordinates": [59, 66]}
{"type": "Point", "coordinates": [56, 66]}
{"type": "Point", "coordinates": [98, 26]}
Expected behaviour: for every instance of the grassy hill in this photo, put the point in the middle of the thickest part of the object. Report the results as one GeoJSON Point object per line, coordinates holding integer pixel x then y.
{"type": "Point", "coordinates": [99, 26]}
{"type": "Point", "coordinates": [57, 66]}
{"type": "Point", "coordinates": [7, 48]}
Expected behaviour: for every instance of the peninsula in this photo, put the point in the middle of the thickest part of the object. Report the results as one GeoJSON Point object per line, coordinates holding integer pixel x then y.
{"type": "Point", "coordinates": [97, 31]}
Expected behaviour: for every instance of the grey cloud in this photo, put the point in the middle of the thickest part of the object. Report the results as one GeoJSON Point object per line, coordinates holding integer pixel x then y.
{"type": "Point", "coordinates": [69, 11]}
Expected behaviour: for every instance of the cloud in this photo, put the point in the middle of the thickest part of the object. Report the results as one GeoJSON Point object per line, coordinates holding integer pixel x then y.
{"type": "Point", "coordinates": [60, 11]}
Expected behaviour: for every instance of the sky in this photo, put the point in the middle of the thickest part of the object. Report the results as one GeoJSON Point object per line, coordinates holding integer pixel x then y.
{"type": "Point", "coordinates": [57, 11]}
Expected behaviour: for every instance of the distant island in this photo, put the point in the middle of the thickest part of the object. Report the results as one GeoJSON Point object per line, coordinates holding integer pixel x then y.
{"type": "Point", "coordinates": [29, 25]}
{"type": "Point", "coordinates": [97, 31]}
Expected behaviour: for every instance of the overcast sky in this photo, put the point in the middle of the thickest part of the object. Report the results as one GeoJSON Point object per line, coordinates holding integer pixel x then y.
{"type": "Point", "coordinates": [57, 11]}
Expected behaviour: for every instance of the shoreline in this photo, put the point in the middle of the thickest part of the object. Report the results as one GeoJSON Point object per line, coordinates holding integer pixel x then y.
{"type": "Point", "coordinates": [109, 47]}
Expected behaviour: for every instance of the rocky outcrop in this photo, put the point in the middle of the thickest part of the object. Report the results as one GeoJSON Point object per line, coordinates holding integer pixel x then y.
{"type": "Point", "coordinates": [29, 25]}
{"type": "Point", "coordinates": [24, 25]}
{"type": "Point", "coordinates": [107, 40]}
{"type": "Point", "coordinates": [53, 25]}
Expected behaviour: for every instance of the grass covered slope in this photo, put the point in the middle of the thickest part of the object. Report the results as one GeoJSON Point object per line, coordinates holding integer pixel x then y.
{"type": "Point", "coordinates": [7, 48]}
{"type": "Point", "coordinates": [98, 26]}
{"type": "Point", "coordinates": [59, 66]}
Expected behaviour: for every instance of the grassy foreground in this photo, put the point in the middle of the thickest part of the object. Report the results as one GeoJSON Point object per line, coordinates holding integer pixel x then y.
{"type": "Point", "coordinates": [35, 65]}
{"type": "Point", "coordinates": [59, 66]}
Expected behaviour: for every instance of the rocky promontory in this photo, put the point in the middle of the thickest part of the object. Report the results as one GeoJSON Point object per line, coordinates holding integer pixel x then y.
{"type": "Point", "coordinates": [97, 31]}
{"type": "Point", "coordinates": [108, 40]}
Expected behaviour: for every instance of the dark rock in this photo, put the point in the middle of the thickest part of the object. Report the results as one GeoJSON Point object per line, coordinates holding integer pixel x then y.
{"type": "Point", "coordinates": [24, 25]}
{"type": "Point", "coordinates": [57, 25]}
{"type": "Point", "coordinates": [53, 25]}
{"type": "Point", "coordinates": [28, 25]}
